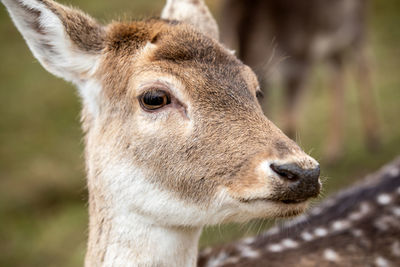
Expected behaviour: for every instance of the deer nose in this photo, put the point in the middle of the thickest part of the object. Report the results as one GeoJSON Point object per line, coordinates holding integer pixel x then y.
{"type": "Point", "coordinates": [302, 183]}
{"type": "Point", "coordinates": [293, 172]}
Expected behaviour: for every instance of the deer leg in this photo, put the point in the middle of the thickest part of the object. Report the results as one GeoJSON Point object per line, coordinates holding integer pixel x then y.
{"type": "Point", "coordinates": [334, 147]}
{"type": "Point", "coordinates": [367, 104]}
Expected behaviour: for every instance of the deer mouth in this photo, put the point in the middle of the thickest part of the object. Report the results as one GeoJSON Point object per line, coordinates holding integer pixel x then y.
{"type": "Point", "coordinates": [284, 201]}
{"type": "Point", "coordinates": [276, 207]}
{"type": "Point", "coordinates": [294, 201]}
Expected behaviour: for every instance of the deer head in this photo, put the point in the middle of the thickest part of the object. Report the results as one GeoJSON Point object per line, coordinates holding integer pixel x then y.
{"type": "Point", "coordinates": [174, 132]}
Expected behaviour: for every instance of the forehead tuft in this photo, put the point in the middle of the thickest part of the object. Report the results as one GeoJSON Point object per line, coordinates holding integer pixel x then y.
{"type": "Point", "coordinates": [183, 43]}
{"type": "Point", "coordinates": [127, 37]}
{"type": "Point", "coordinates": [176, 42]}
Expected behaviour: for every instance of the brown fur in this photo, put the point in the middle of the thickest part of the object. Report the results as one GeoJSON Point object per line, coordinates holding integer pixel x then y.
{"type": "Point", "coordinates": [220, 87]}
{"type": "Point", "coordinates": [221, 90]}
{"type": "Point", "coordinates": [83, 30]}
{"type": "Point", "coordinates": [208, 144]}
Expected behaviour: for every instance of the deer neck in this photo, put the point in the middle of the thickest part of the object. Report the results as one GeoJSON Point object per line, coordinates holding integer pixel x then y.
{"type": "Point", "coordinates": [130, 239]}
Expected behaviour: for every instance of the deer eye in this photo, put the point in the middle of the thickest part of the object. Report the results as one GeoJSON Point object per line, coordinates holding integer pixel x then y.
{"type": "Point", "coordinates": [259, 95]}
{"type": "Point", "coordinates": [154, 99]}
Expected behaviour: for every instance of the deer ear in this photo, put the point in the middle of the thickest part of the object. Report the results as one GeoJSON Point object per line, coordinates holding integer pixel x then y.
{"type": "Point", "coordinates": [194, 12]}
{"type": "Point", "coordinates": [66, 41]}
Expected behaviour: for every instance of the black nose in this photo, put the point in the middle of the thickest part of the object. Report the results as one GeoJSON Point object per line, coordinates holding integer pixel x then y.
{"type": "Point", "coordinates": [302, 183]}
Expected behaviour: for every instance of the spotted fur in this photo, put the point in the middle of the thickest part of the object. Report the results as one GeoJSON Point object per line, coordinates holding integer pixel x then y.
{"type": "Point", "coordinates": [359, 226]}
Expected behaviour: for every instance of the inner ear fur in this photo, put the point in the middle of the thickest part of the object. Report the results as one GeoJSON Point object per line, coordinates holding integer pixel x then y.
{"type": "Point", "coordinates": [65, 40]}
{"type": "Point", "coordinates": [194, 12]}
{"type": "Point", "coordinates": [84, 31]}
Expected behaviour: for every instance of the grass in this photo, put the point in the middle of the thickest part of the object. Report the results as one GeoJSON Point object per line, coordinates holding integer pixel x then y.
{"type": "Point", "coordinates": [43, 216]}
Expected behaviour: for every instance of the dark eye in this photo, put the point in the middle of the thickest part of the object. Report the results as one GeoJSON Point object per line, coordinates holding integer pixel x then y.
{"type": "Point", "coordinates": [154, 99]}
{"type": "Point", "coordinates": [259, 95]}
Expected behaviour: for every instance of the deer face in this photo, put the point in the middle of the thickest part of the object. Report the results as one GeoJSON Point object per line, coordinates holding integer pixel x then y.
{"type": "Point", "coordinates": [192, 125]}
{"type": "Point", "coordinates": [173, 127]}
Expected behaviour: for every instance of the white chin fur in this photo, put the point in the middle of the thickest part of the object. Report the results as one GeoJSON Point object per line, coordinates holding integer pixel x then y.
{"type": "Point", "coordinates": [132, 192]}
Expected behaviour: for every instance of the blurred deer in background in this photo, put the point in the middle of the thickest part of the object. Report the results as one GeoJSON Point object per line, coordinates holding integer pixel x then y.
{"type": "Point", "coordinates": [299, 34]}
{"type": "Point", "coordinates": [359, 226]}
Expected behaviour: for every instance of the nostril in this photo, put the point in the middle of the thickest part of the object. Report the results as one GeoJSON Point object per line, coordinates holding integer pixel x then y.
{"type": "Point", "coordinates": [294, 172]}
{"type": "Point", "coordinates": [285, 171]}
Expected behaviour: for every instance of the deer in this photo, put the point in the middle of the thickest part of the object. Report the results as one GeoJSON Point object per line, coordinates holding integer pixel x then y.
{"type": "Point", "coordinates": [358, 226]}
{"type": "Point", "coordinates": [285, 39]}
{"type": "Point", "coordinates": [175, 138]}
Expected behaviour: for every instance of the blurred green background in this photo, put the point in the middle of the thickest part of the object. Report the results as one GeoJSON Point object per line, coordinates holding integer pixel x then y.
{"type": "Point", "coordinates": [43, 198]}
